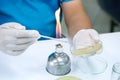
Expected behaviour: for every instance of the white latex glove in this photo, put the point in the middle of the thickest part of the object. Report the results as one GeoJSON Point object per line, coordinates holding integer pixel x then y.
{"type": "Point", "coordinates": [14, 39]}
{"type": "Point", "coordinates": [86, 42]}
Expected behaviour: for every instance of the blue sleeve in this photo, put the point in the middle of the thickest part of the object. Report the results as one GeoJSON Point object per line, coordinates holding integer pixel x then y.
{"type": "Point", "coordinates": [64, 1]}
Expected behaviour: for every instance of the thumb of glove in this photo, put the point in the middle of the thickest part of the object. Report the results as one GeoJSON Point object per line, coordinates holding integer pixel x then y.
{"type": "Point", "coordinates": [94, 34]}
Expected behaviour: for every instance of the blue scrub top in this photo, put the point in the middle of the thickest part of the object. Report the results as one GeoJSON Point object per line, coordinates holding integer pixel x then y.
{"type": "Point", "coordinates": [34, 14]}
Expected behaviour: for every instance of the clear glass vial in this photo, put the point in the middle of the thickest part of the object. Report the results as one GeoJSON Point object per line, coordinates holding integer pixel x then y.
{"type": "Point", "coordinates": [115, 72]}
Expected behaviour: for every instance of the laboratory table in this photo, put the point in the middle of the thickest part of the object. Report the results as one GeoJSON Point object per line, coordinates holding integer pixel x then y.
{"type": "Point", "coordinates": [31, 65]}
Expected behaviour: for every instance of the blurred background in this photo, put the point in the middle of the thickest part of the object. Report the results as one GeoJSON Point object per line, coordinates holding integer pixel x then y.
{"type": "Point", "coordinates": [102, 21]}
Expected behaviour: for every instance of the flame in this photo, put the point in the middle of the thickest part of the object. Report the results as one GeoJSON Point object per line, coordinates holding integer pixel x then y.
{"type": "Point", "coordinates": [58, 25]}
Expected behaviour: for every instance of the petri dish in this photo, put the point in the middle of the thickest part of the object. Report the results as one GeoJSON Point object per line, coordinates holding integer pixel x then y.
{"type": "Point", "coordinates": [87, 61]}
{"type": "Point", "coordinates": [68, 78]}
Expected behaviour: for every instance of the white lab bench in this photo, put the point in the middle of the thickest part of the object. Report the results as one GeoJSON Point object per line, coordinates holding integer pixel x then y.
{"type": "Point", "coordinates": [31, 65]}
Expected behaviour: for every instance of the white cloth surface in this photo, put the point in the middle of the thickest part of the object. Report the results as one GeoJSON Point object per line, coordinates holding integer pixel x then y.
{"type": "Point", "coordinates": [31, 65]}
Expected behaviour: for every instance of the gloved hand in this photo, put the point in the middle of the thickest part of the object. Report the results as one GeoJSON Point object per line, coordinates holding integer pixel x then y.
{"type": "Point", "coordinates": [14, 39]}
{"type": "Point", "coordinates": [86, 42]}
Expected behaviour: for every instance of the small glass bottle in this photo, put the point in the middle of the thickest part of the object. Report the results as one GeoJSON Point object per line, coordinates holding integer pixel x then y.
{"type": "Point", "coordinates": [116, 72]}
{"type": "Point", "coordinates": [58, 62]}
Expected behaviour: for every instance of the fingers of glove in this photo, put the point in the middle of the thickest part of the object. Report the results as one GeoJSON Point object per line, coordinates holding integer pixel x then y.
{"type": "Point", "coordinates": [19, 33]}
{"type": "Point", "coordinates": [27, 34]}
{"type": "Point", "coordinates": [14, 47]}
{"type": "Point", "coordinates": [94, 34]}
{"type": "Point", "coordinates": [14, 52]}
{"type": "Point", "coordinates": [9, 37]}
{"type": "Point", "coordinates": [13, 40]}
{"type": "Point", "coordinates": [82, 36]}
{"type": "Point", "coordinates": [13, 25]}
{"type": "Point", "coordinates": [25, 40]}
{"type": "Point", "coordinates": [82, 39]}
